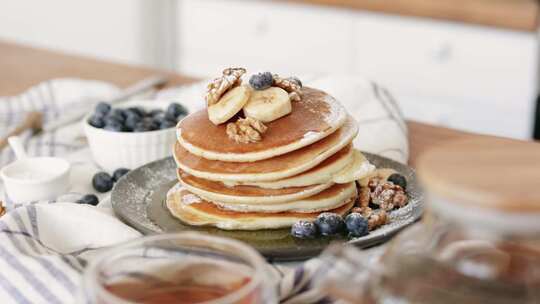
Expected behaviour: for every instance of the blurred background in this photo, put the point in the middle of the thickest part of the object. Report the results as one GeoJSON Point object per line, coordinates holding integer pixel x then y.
{"type": "Point", "coordinates": [466, 64]}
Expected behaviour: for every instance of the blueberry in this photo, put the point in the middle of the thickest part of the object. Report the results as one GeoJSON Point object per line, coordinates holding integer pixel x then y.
{"type": "Point", "coordinates": [132, 121]}
{"type": "Point", "coordinates": [119, 112]}
{"type": "Point", "coordinates": [295, 79]}
{"type": "Point", "coordinates": [169, 116]}
{"type": "Point", "coordinates": [175, 110]}
{"type": "Point", "coordinates": [261, 81]}
{"type": "Point", "coordinates": [102, 108]}
{"type": "Point", "coordinates": [118, 173]}
{"type": "Point", "coordinates": [96, 121]}
{"type": "Point", "coordinates": [88, 199]}
{"type": "Point", "coordinates": [166, 124]}
{"type": "Point", "coordinates": [109, 118]}
{"type": "Point", "coordinates": [304, 230]}
{"type": "Point", "coordinates": [114, 126]}
{"type": "Point", "coordinates": [156, 112]}
{"type": "Point", "coordinates": [102, 182]}
{"type": "Point", "coordinates": [147, 124]}
{"type": "Point", "coordinates": [329, 223]}
{"type": "Point", "coordinates": [398, 179]}
{"type": "Point", "coordinates": [137, 111]}
{"type": "Point", "coordinates": [356, 224]}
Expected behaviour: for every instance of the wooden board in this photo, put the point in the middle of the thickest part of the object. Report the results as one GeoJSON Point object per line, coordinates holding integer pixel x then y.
{"type": "Point", "coordinates": [510, 14]}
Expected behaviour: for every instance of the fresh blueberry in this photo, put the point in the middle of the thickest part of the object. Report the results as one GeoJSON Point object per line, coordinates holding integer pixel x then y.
{"type": "Point", "coordinates": [261, 81]}
{"type": "Point", "coordinates": [102, 182]}
{"type": "Point", "coordinates": [304, 230]}
{"type": "Point", "coordinates": [132, 121]}
{"type": "Point", "coordinates": [147, 124]}
{"type": "Point", "coordinates": [166, 124]}
{"type": "Point", "coordinates": [159, 117]}
{"type": "Point", "coordinates": [295, 79]}
{"type": "Point", "coordinates": [102, 108]}
{"type": "Point", "coordinates": [137, 111]}
{"type": "Point", "coordinates": [96, 121]}
{"type": "Point", "coordinates": [329, 223]}
{"type": "Point", "coordinates": [356, 224]}
{"type": "Point", "coordinates": [88, 199]}
{"type": "Point", "coordinates": [112, 117]}
{"type": "Point", "coordinates": [175, 110]}
{"type": "Point", "coordinates": [156, 112]}
{"type": "Point", "coordinates": [118, 173]}
{"type": "Point", "coordinates": [119, 112]}
{"type": "Point", "coordinates": [398, 179]}
{"type": "Point", "coordinates": [115, 126]}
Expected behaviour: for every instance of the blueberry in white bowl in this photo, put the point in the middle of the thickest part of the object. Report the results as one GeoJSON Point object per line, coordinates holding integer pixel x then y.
{"type": "Point", "coordinates": [133, 133]}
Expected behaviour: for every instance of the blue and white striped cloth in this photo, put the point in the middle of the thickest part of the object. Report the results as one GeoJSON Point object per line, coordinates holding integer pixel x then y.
{"type": "Point", "coordinates": [44, 246]}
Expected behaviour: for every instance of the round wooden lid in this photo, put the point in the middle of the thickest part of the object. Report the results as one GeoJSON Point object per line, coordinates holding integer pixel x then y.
{"type": "Point", "coordinates": [486, 172]}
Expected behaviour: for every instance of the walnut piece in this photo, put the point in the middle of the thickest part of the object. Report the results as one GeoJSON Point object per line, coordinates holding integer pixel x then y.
{"type": "Point", "coordinates": [2, 208]}
{"type": "Point", "coordinates": [246, 130]}
{"type": "Point", "coordinates": [290, 85]}
{"type": "Point", "coordinates": [231, 77]}
{"type": "Point", "coordinates": [375, 218]}
{"type": "Point", "coordinates": [386, 194]}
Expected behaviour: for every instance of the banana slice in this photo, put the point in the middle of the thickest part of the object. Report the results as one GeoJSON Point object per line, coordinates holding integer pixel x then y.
{"type": "Point", "coordinates": [268, 105]}
{"type": "Point", "coordinates": [383, 173]}
{"type": "Point", "coordinates": [359, 168]}
{"type": "Point", "coordinates": [229, 104]}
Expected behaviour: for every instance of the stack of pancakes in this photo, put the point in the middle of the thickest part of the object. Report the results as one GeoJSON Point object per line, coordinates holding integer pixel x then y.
{"type": "Point", "coordinates": [304, 165]}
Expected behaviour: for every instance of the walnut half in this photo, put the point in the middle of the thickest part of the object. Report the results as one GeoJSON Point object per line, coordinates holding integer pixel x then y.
{"type": "Point", "coordinates": [246, 130]}
{"type": "Point", "coordinates": [231, 77]}
{"type": "Point", "coordinates": [291, 85]}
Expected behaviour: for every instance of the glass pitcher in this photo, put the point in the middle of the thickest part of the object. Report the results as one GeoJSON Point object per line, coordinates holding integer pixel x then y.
{"type": "Point", "coordinates": [479, 241]}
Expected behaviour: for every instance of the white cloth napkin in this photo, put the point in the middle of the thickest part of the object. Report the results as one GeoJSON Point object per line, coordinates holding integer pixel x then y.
{"type": "Point", "coordinates": [44, 246]}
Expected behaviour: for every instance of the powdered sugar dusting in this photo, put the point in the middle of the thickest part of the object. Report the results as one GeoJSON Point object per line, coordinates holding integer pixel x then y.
{"type": "Point", "coordinates": [189, 199]}
{"type": "Point", "coordinates": [336, 112]}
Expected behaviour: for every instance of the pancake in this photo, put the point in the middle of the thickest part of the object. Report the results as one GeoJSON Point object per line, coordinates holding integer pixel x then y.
{"type": "Point", "coordinates": [192, 210]}
{"type": "Point", "coordinates": [218, 192]}
{"type": "Point", "coordinates": [328, 199]}
{"type": "Point", "coordinates": [328, 170]}
{"type": "Point", "coordinates": [313, 118]}
{"type": "Point", "coordinates": [272, 169]}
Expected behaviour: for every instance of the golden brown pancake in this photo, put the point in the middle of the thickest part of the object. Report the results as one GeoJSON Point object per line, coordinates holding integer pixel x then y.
{"type": "Point", "coordinates": [314, 117]}
{"type": "Point", "coordinates": [193, 210]}
{"type": "Point", "coordinates": [240, 190]}
{"type": "Point", "coordinates": [275, 168]}
{"type": "Point", "coordinates": [217, 192]}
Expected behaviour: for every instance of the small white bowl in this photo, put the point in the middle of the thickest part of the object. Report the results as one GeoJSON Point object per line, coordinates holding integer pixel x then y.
{"type": "Point", "coordinates": [112, 150]}
{"type": "Point", "coordinates": [36, 178]}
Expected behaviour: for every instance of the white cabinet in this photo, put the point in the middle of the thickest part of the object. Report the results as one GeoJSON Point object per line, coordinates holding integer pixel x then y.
{"type": "Point", "coordinates": [261, 36]}
{"type": "Point", "coordinates": [469, 77]}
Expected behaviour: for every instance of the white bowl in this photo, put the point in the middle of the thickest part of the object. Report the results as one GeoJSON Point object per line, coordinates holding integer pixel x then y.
{"type": "Point", "coordinates": [112, 150]}
{"type": "Point", "coordinates": [36, 178]}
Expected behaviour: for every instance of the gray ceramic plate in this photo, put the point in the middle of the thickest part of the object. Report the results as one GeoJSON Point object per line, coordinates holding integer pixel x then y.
{"type": "Point", "coordinates": [139, 199]}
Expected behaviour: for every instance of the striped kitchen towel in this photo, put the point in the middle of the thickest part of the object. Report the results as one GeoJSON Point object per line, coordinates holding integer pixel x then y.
{"type": "Point", "coordinates": [44, 246]}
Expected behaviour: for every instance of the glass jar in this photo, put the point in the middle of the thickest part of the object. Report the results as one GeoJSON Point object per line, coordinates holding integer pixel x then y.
{"type": "Point", "coordinates": [479, 241]}
{"type": "Point", "coordinates": [180, 268]}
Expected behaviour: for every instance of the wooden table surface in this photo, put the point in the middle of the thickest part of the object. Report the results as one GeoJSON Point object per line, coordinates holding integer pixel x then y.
{"type": "Point", "coordinates": [509, 14]}
{"type": "Point", "coordinates": [21, 67]}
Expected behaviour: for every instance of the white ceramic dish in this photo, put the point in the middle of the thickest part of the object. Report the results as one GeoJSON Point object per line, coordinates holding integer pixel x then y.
{"type": "Point", "coordinates": [36, 178]}
{"type": "Point", "coordinates": [112, 150]}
